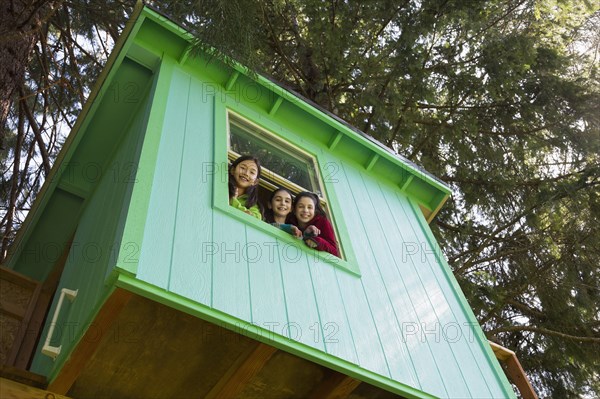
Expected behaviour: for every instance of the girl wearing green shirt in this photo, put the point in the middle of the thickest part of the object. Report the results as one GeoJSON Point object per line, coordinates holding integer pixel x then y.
{"type": "Point", "coordinates": [244, 174]}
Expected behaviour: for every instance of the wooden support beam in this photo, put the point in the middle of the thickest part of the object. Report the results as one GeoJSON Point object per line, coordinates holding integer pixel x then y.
{"type": "Point", "coordinates": [406, 183]}
{"type": "Point", "coordinates": [514, 370]}
{"type": "Point", "coordinates": [336, 386]}
{"type": "Point", "coordinates": [501, 352]}
{"type": "Point", "coordinates": [335, 140]}
{"type": "Point", "coordinates": [372, 161]}
{"type": "Point", "coordinates": [241, 372]}
{"type": "Point", "coordinates": [185, 54]}
{"type": "Point", "coordinates": [71, 188]}
{"type": "Point", "coordinates": [15, 390]}
{"type": "Point", "coordinates": [231, 80]}
{"type": "Point", "coordinates": [23, 376]}
{"type": "Point", "coordinates": [90, 342]}
{"type": "Point", "coordinates": [435, 211]}
{"type": "Point", "coordinates": [275, 106]}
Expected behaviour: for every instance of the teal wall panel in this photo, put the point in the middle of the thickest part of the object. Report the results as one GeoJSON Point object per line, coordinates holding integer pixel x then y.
{"type": "Point", "coordinates": [191, 267]}
{"type": "Point", "coordinates": [230, 284]}
{"type": "Point", "coordinates": [375, 257]}
{"type": "Point", "coordinates": [368, 318]}
{"type": "Point", "coordinates": [301, 303]}
{"type": "Point", "coordinates": [333, 319]}
{"type": "Point", "coordinates": [265, 280]}
{"type": "Point", "coordinates": [434, 318]}
{"type": "Point", "coordinates": [463, 335]}
{"type": "Point", "coordinates": [360, 320]}
{"type": "Point", "coordinates": [157, 245]}
{"type": "Point", "coordinates": [401, 284]}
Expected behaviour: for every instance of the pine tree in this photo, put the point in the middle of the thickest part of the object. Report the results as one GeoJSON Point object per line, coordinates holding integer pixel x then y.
{"type": "Point", "coordinates": [498, 98]}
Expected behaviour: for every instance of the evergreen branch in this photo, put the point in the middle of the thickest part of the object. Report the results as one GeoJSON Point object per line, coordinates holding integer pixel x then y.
{"type": "Point", "coordinates": [422, 105]}
{"type": "Point", "coordinates": [543, 331]}
{"type": "Point", "coordinates": [525, 309]}
{"type": "Point", "coordinates": [385, 24]}
{"type": "Point", "coordinates": [37, 133]}
{"type": "Point", "coordinates": [92, 58]}
{"type": "Point", "coordinates": [509, 11]}
{"type": "Point", "coordinates": [68, 42]}
{"type": "Point", "coordinates": [296, 73]}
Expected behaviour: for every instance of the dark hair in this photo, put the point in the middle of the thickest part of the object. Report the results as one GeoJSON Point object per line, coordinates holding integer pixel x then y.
{"type": "Point", "coordinates": [252, 191]}
{"type": "Point", "coordinates": [313, 196]}
{"type": "Point", "coordinates": [269, 214]}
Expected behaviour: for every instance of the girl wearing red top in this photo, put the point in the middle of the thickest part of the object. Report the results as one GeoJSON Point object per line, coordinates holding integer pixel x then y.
{"type": "Point", "coordinates": [312, 221]}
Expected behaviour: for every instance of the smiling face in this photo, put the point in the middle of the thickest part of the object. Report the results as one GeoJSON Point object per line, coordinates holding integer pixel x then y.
{"type": "Point", "coordinates": [246, 175]}
{"type": "Point", "coordinates": [281, 204]}
{"type": "Point", "coordinates": [304, 211]}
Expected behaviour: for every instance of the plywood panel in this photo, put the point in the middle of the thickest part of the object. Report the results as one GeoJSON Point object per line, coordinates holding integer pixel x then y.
{"type": "Point", "coordinates": [334, 328]}
{"type": "Point", "coordinates": [356, 302]}
{"type": "Point", "coordinates": [421, 286]}
{"type": "Point", "coordinates": [381, 280]}
{"type": "Point", "coordinates": [157, 246]}
{"type": "Point", "coordinates": [191, 268]}
{"type": "Point", "coordinates": [15, 390]}
{"type": "Point", "coordinates": [457, 330]}
{"type": "Point", "coordinates": [230, 284]}
{"type": "Point", "coordinates": [301, 303]}
{"type": "Point", "coordinates": [266, 284]}
{"type": "Point", "coordinates": [153, 351]}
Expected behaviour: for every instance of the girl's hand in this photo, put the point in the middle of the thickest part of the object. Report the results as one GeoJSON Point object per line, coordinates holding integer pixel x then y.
{"type": "Point", "coordinates": [296, 232]}
{"type": "Point", "coordinates": [235, 192]}
{"type": "Point", "coordinates": [311, 243]}
{"type": "Point", "coordinates": [312, 231]}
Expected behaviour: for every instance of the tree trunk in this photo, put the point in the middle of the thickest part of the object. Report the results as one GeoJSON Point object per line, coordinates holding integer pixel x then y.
{"type": "Point", "coordinates": [20, 21]}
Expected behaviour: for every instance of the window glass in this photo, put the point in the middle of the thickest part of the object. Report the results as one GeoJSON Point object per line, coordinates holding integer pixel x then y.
{"type": "Point", "coordinates": [278, 159]}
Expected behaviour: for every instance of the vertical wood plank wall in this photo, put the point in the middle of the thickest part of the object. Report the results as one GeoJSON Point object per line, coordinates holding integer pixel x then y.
{"type": "Point", "coordinates": [401, 318]}
{"type": "Point", "coordinates": [95, 246]}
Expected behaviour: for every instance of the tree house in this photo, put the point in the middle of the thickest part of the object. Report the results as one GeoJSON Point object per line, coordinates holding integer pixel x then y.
{"type": "Point", "coordinates": [156, 287]}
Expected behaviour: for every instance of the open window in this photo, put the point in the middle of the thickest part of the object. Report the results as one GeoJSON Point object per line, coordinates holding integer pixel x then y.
{"type": "Point", "coordinates": [283, 164]}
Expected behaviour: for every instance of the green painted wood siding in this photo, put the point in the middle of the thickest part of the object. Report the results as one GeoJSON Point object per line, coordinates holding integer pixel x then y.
{"type": "Point", "coordinates": [402, 318]}
{"type": "Point", "coordinates": [96, 245]}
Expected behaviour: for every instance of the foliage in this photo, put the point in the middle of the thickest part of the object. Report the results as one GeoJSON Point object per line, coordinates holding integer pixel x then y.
{"type": "Point", "coordinates": [498, 98]}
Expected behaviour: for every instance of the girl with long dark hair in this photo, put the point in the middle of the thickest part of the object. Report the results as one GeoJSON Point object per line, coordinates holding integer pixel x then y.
{"type": "Point", "coordinates": [244, 175]}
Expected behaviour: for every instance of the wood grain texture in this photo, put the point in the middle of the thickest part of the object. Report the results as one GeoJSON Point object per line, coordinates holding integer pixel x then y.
{"type": "Point", "coordinates": [14, 390]}
{"type": "Point", "coordinates": [154, 351]}
{"type": "Point", "coordinates": [335, 386]}
{"type": "Point", "coordinates": [241, 372]}
{"type": "Point", "coordinates": [90, 342]}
